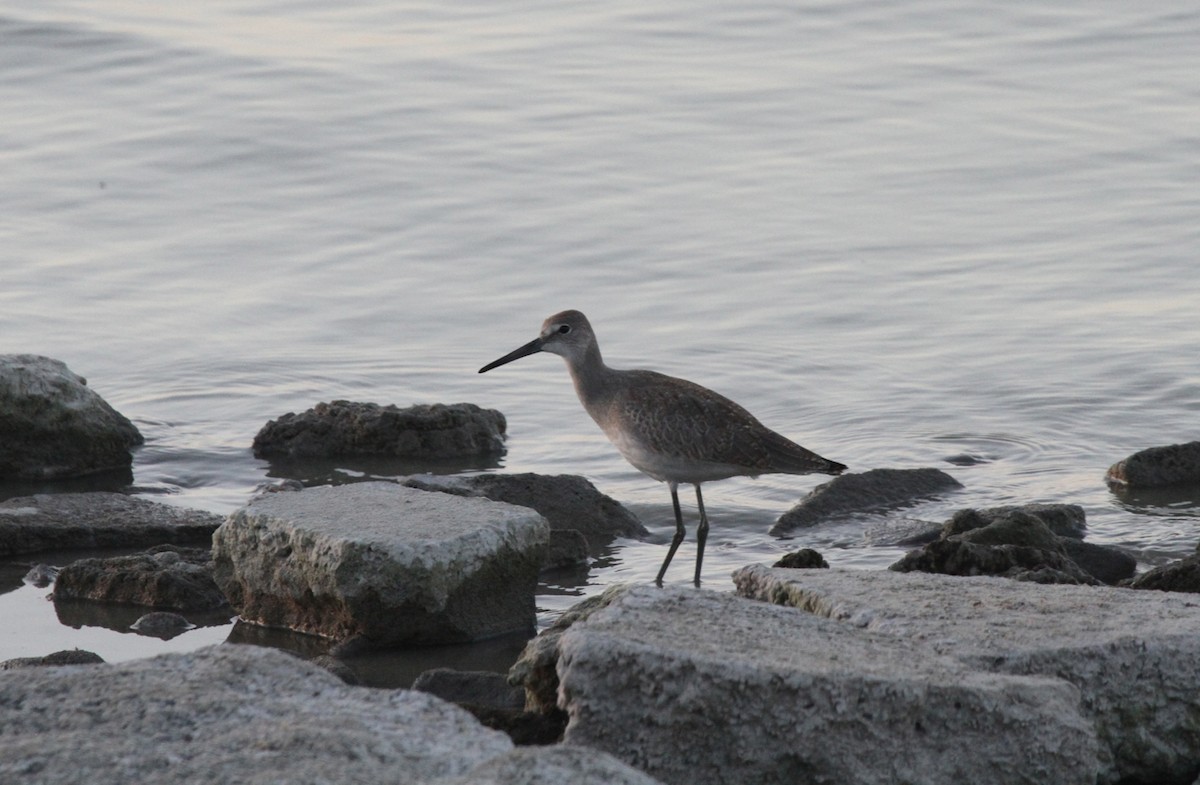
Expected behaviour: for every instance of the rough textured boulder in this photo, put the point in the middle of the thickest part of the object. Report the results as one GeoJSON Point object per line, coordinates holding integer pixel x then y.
{"type": "Point", "coordinates": [561, 765]}
{"type": "Point", "coordinates": [62, 521]}
{"type": "Point", "coordinates": [1157, 467]}
{"type": "Point", "coordinates": [567, 501]}
{"type": "Point", "coordinates": [871, 491]}
{"type": "Point", "coordinates": [803, 559]}
{"type": "Point", "coordinates": [1021, 543]}
{"type": "Point", "coordinates": [53, 426]}
{"type": "Point", "coordinates": [1182, 575]}
{"type": "Point", "coordinates": [1134, 656]}
{"type": "Point", "coordinates": [163, 577]}
{"type": "Point", "coordinates": [65, 657]}
{"type": "Point", "coordinates": [348, 428]}
{"type": "Point", "coordinates": [228, 714]}
{"type": "Point", "coordinates": [386, 564]}
{"type": "Point", "coordinates": [703, 687]}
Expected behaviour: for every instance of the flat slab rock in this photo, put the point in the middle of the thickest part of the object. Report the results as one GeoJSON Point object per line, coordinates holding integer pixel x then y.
{"type": "Point", "coordinates": [232, 713]}
{"type": "Point", "coordinates": [702, 687]}
{"type": "Point", "coordinates": [394, 565]}
{"type": "Point", "coordinates": [55, 521]}
{"type": "Point", "coordinates": [1133, 655]}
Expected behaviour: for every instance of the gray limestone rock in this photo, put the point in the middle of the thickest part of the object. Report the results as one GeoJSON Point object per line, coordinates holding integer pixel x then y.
{"type": "Point", "coordinates": [349, 428]}
{"type": "Point", "coordinates": [567, 501]}
{"type": "Point", "coordinates": [1156, 467]}
{"type": "Point", "coordinates": [228, 714]}
{"type": "Point", "coordinates": [870, 491]}
{"type": "Point", "coordinates": [62, 521]}
{"type": "Point", "coordinates": [53, 426]}
{"type": "Point", "coordinates": [703, 687]}
{"type": "Point", "coordinates": [165, 577]}
{"type": "Point", "coordinates": [1134, 656]}
{"type": "Point", "coordinates": [388, 564]}
{"type": "Point", "coordinates": [559, 765]}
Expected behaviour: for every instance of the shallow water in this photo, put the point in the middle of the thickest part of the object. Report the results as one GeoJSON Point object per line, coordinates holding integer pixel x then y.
{"type": "Point", "coordinates": [898, 233]}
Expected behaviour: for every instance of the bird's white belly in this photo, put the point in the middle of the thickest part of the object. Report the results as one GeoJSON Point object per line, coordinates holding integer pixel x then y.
{"type": "Point", "coordinates": [668, 468]}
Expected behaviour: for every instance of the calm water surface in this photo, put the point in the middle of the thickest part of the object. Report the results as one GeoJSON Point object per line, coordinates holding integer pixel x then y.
{"type": "Point", "coordinates": [897, 232]}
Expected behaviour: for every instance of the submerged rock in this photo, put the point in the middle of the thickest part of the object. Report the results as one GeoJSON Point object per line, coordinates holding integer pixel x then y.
{"type": "Point", "coordinates": [870, 491]}
{"type": "Point", "coordinates": [161, 624]}
{"type": "Point", "coordinates": [475, 688]}
{"type": "Point", "coordinates": [53, 426]}
{"type": "Point", "coordinates": [65, 657]}
{"type": "Point", "coordinates": [1156, 467]}
{"type": "Point", "coordinates": [348, 428]}
{"type": "Point", "coordinates": [41, 575]}
{"type": "Point", "coordinates": [62, 521]}
{"type": "Point", "coordinates": [378, 561]}
{"type": "Point", "coordinates": [1182, 575]}
{"type": "Point", "coordinates": [1020, 543]}
{"type": "Point", "coordinates": [163, 577]}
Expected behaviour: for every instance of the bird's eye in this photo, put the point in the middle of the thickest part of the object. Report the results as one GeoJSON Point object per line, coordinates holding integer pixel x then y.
{"type": "Point", "coordinates": [564, 329]}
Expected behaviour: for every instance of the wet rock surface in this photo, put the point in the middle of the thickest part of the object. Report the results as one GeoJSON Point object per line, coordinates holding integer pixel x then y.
{"type": "Point", "coordinates": [803, 559]}
{"type": "Point", "coordinates": [53, 426]}
{"type": "Point", "coordinates": [383, 563]}
{"type": "Point", "coordinates": [1182, 575]}
{"type": "Point", "coordinates": [349, 428]}
{"type": "Point", "coordinates": [166, 577]}
{"type": "Point", "coordinates": [1022, 543]}
{"type": "Point", "coordinates": [1158, 467]}
{"type": "Point", "coordinates": [871, 491]}
{"type": "Point", "coordinates": [62, 521]}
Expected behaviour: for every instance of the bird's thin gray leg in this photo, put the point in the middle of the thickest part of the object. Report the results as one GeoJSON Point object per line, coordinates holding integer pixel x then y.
{"type": "Point", "coordinates": [701, 533]}
{"type": "Point", "coordinates": [679, 532]}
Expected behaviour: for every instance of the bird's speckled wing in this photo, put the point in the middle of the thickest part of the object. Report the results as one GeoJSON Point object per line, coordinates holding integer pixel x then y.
{"type": "Point", "coordinates": [677, 418]}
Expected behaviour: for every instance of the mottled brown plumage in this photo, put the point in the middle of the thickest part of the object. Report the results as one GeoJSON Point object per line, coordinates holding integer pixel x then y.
{"type": "Point", "coordinates": [671, 429]}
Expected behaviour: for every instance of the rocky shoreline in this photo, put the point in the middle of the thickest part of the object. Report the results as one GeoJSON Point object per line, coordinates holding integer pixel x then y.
{"type": "Point", "coordinates": [1003, 648]}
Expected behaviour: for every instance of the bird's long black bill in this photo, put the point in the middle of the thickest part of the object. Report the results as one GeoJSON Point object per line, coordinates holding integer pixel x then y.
{"type": "Point", "coordinates": [532, 347]}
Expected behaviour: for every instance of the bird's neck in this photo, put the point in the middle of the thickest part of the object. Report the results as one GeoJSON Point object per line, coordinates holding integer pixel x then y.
{"type": "Point", "coordinates": [591, 376]}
